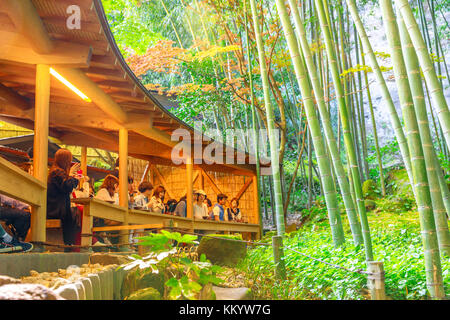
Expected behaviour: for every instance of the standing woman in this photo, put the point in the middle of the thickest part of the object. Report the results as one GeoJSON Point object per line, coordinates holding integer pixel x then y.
{"type": "Point", "coordinates": [62, 179]}
{"type": "Point", "coordinates": [157, 201]}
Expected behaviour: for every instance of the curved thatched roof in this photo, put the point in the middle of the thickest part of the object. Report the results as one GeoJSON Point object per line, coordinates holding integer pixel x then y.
{"type": "Point", "coordinates": [37, 33]}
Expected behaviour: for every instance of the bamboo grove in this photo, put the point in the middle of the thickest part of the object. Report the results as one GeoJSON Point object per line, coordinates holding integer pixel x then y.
{"type": "Point", "coordinates": [308, 69]}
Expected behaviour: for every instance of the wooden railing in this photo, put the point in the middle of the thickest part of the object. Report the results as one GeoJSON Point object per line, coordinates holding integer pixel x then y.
{"type": "Point", "coordinates": [18, 184]}
{"type": "Point", "coordinates": [101, 209]}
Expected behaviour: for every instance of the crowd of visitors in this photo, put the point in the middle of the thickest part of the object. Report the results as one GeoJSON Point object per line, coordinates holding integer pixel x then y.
{"type": "Point", "coordinates": [66, 181]}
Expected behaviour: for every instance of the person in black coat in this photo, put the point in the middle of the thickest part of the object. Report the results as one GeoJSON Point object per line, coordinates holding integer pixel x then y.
{"type": "Point", "coordinates": [62, 180]}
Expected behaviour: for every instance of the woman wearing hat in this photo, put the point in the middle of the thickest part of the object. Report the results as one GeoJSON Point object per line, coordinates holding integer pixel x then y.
{"type": "Point", "coordinates": [200, 208]}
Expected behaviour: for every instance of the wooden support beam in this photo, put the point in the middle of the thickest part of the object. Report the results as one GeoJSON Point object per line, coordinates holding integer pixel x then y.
{"type": "Point", "coordinates": [97, 95]}
{"type": "Point", "coordinates": [11, 98]}
{"type": "Point", "coordinates": [40, 148]}
{"type": "Point", "coordinates": [211, 182]}
{"type": "Point", "coordinates": [28, 22]}
{"type": "Point", "coordinates": [157, 135]}
{"type": "Point", "coordinates": [244, 188]}
{"type": "Point", "coordinates": [63, 53]}
{"type": "Point", "coordinates": [123, 176]}
{"type": "Point", "coordinates": [28, 124]}
{"type": "Point", "coordinates": [163, 182]}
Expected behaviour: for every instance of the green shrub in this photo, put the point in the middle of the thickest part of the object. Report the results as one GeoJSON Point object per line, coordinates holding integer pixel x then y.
{"type": "Point", "coordinates": [369, 189]}
{"type": "Point", "coordinates": [396, 204]}
{"type": "Point", "coordinates": [398, 246]}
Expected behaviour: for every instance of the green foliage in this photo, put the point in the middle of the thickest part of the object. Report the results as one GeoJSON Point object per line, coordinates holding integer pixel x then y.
{"type": "Point", "coordinates": [318, 212]}
{"type": "Point", "coordinates": [128, 27]}
{"type": "Point", "coordinates": [184, 278]}
{"type": "Point", "coordinates": [299, 193]}
{"type": "Point", "coordinates": [396, 204]}
{"type": "Point", "coordinates": [369, 189]}
{"type": "Point", "coordinates": [397, 183]}
{"type": "Point", "coordinates": [397, 244]}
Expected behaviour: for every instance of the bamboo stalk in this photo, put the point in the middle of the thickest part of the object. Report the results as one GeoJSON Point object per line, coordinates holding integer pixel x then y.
{"type": "Point", "coordinates": [313, 122]}
{"type": "Point", "coordinates": [419, 168]}
{"type": "Point", "coordinates": [426, 64]}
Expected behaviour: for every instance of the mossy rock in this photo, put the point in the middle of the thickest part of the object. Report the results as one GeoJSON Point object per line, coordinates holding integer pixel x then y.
{"type": "Point", "coordinates": [221, 251]}
{"type": "Point", "coordinates": [370, 204]}
{"type": "Point", "coordinates": [397, 183]}
{"type": "Point", "coordinates": [291, 228]}
{"type": "Point", "coordinates": [145, 294]}
{"type": "Point", "coordinates": [396, 204]}
{"type": "Point", "coordinates": [135, 281]}
{"type": "Point", "coordinates": [369, 189]}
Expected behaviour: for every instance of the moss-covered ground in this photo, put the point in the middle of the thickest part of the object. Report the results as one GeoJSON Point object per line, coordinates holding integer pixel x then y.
{"type": "Point", "coordinates": [396, 241]}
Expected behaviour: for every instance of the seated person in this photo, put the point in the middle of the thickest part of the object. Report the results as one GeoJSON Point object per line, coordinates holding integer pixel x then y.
{"type": "Point", "coordinates": [200, 208]}
{"type": "Point", "coordinates": [109, 190]}
{"type": "Point", "coordinates": [234, 213]}
{"type": "Point", "coordinates": [170, 206]}
{"type": "Point", "coordinates": [16, 214]}
{"type": "Point", "coordinates": [131, 193]}
{"type": "Point", "coordinates": [181, 208]}
{"type": "Point", "coordinates": [11, 244]}
{"type": "Point", "coordinates": [157, 201]}
{"type": "Point", "coordinates": [209, 206]}
{"type": "Point", "coordinates": [142, 200]}
{"type": "Point", "coordinates": [62, 179]}
{"type": "Point", "coordinates": [218, 213]}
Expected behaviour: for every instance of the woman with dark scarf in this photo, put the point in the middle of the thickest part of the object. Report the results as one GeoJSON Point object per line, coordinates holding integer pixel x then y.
{"type": "Point", "coordinates": [62, 179]}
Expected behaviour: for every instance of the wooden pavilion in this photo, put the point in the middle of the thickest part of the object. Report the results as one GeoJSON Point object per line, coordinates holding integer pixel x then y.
{"type": "Point", "coordinates": [112, 111]}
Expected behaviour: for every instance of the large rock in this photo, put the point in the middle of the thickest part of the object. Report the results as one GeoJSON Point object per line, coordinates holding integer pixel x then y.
{"type": "Point", "coordinates": [107, 259]}
{"type": "Point", "coordinates": [397, 183]}
{"type": "Point", "coordinates": [369, 189]}
{"type": "Point", "coordinates": [134, 281]}
{"type": "Point", "coordinates": [221, 251]}
{"type": "Point", "coordinates": [370, 204]}
{"type": "Point", "coordinates": [8, 280]}
{"type": "Point", "coordinates": [27, 292]}
{"type": "Point", "coordinates": [145, 294]}
{"type": "Point", "coordinates": [291, 228]}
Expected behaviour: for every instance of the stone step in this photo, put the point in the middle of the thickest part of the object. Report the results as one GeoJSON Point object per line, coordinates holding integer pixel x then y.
{"type": "Point", "coordinates": [232, 293]}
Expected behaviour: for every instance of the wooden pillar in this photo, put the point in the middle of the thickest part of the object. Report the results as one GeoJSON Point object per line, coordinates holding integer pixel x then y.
{"type": "Point", "coordinates": [123, 177]}
{"type": "Point", "coordinates": [190, 189]}
{"type": "Point", "coordinates": [84, 160]}
{"type": "Point", "coordinates": [40, 149]}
